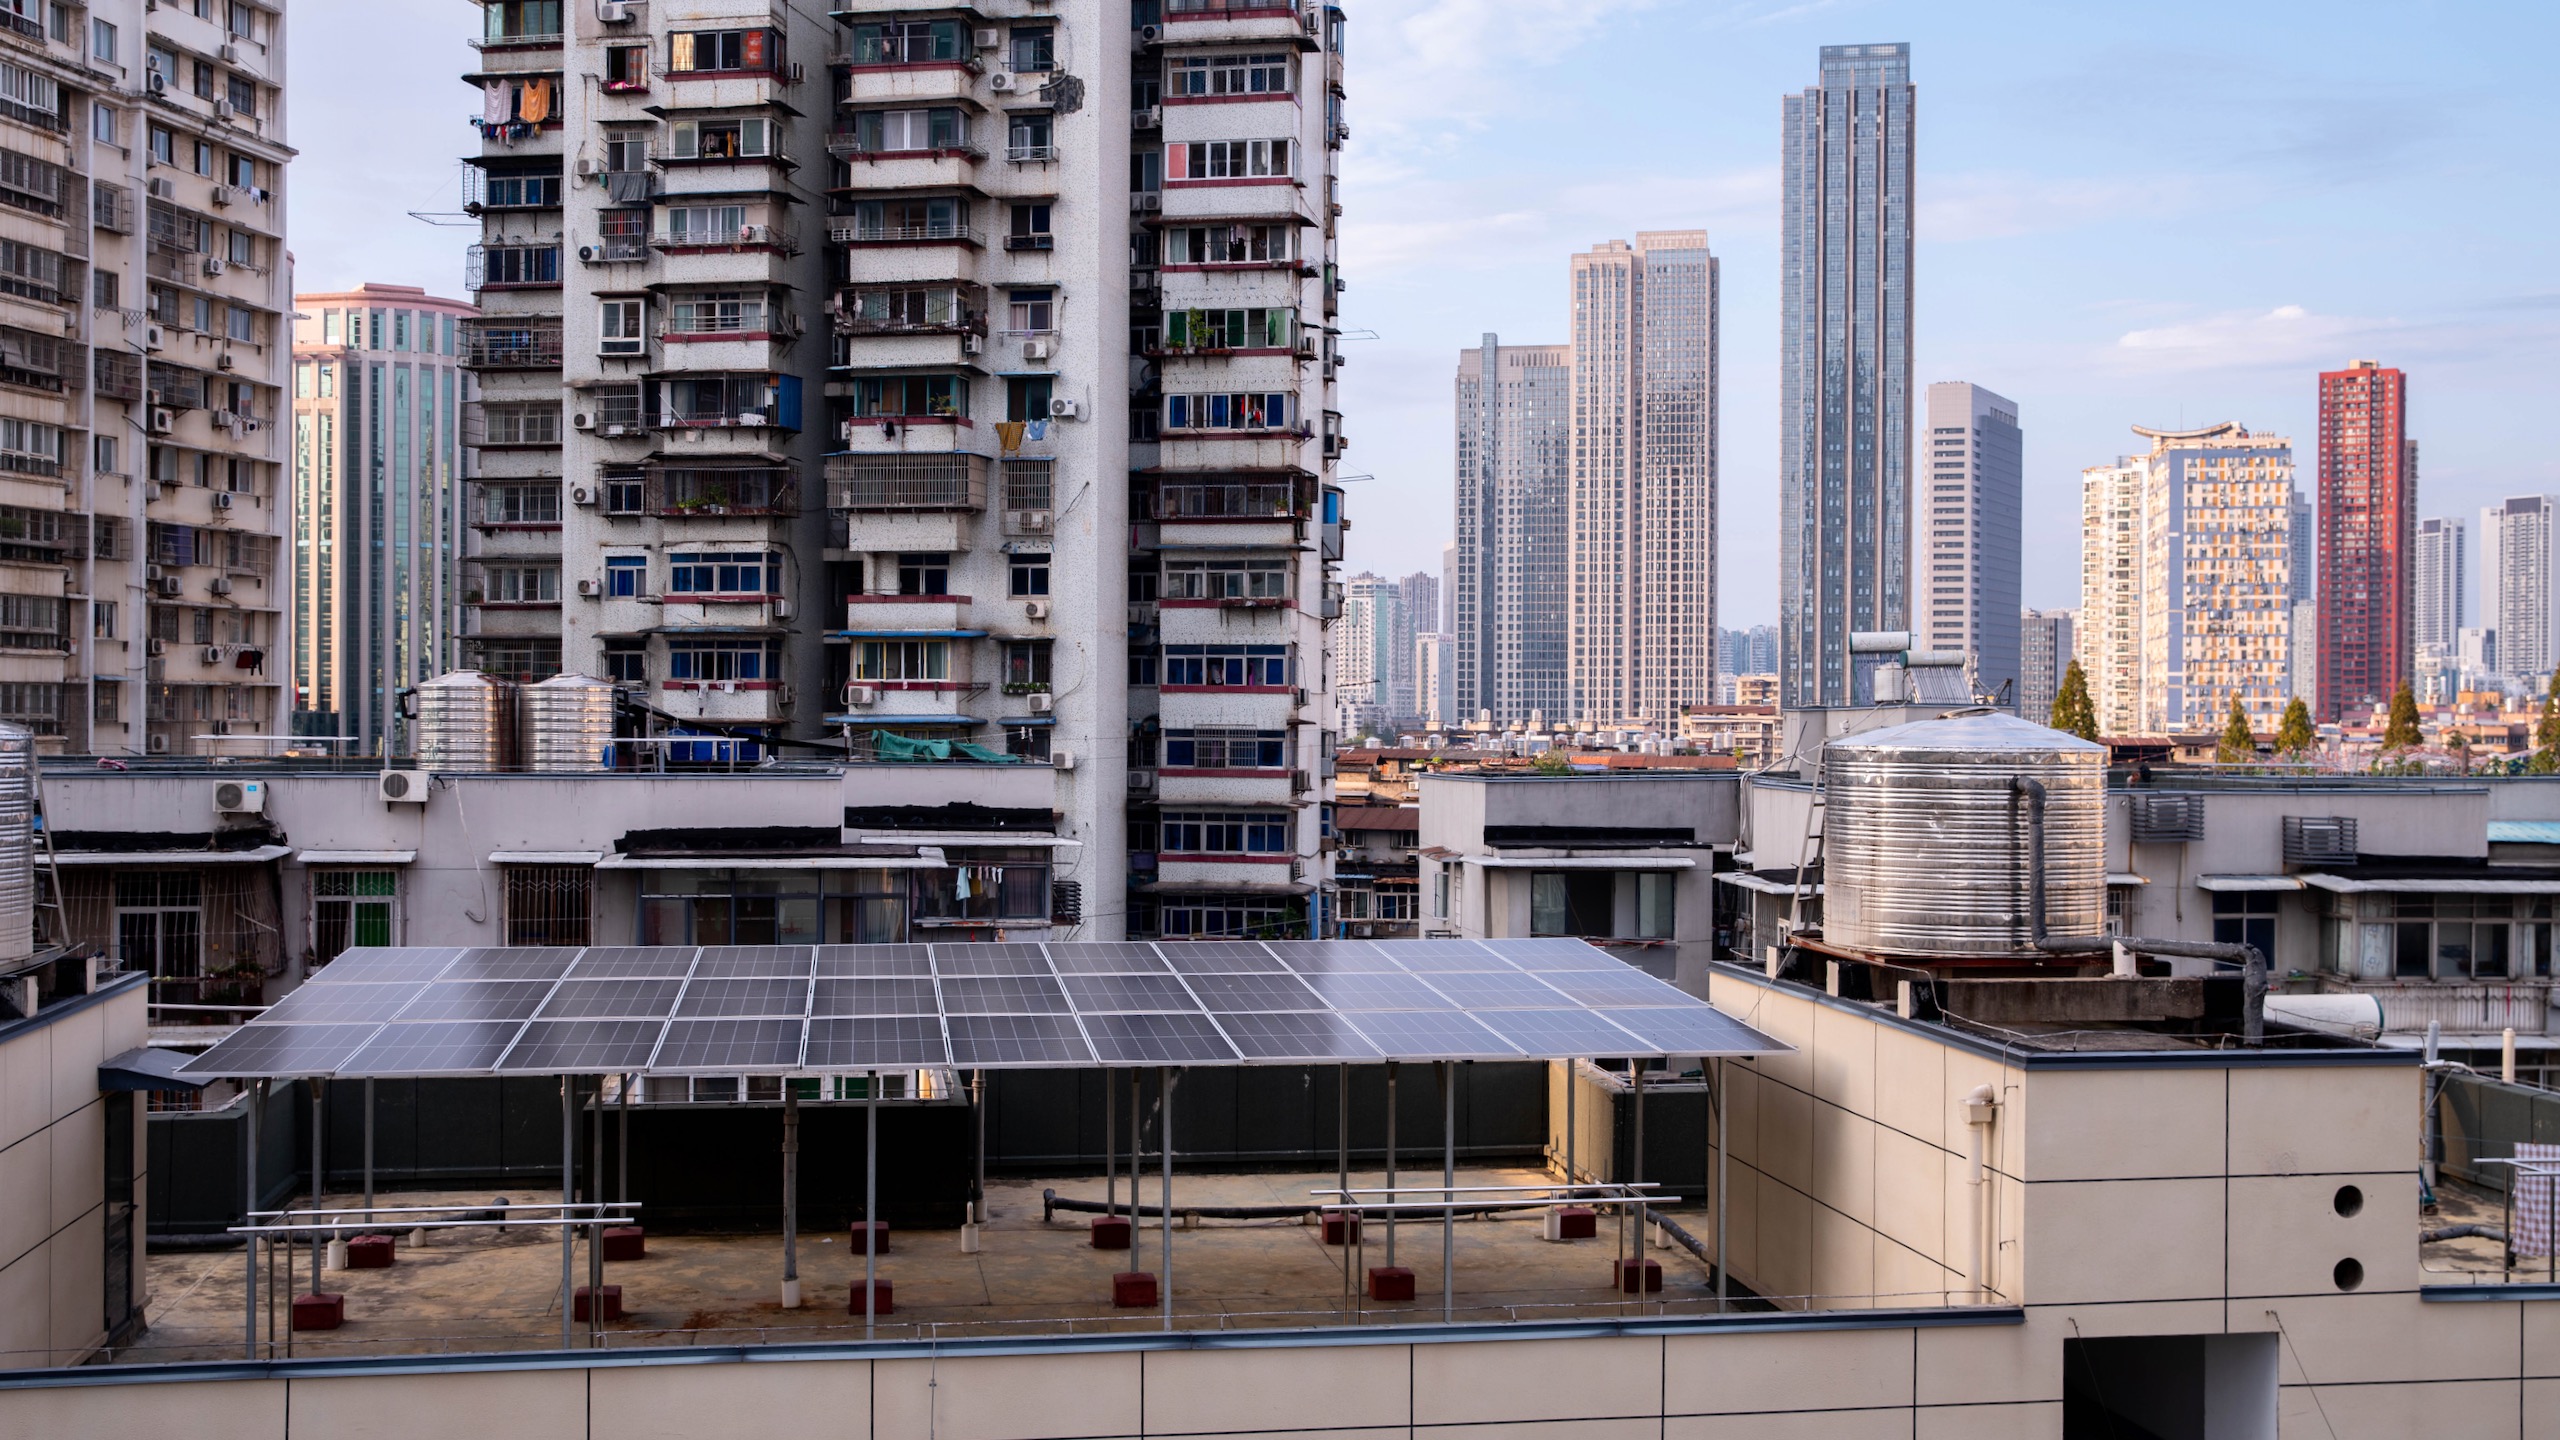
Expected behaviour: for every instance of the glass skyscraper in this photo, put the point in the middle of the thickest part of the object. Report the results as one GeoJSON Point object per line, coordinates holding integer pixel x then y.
{"type": "Point", "coordinates": [1845, 366]}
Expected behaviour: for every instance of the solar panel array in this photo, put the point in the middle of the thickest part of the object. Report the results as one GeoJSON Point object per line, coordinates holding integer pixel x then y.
{"type": "Point", "coordinates": [730, 1010]}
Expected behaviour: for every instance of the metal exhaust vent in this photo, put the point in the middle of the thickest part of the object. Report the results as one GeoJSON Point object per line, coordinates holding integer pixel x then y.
{"type": "Point", "coordinates": [2319, 839]}
{"type": "Point", "coordinates": [2171, 819]}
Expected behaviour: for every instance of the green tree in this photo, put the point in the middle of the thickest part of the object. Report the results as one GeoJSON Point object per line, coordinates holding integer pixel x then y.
{"type": "Point", "coordinates": [2072, 711]}
{"type": "Point", "coordinates": [2294, 735]}
{"type": "Point", "coordinates": [1552, 761]}
{"type": "Point", "coordinates": [2546, 731]}
{"type": "Point", "coordinates": [2239, 744]}
{"type": "Point", "coordinates": [2402, 732]}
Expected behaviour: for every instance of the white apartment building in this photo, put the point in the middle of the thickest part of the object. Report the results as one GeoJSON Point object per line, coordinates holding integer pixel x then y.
{"type": "Point", "coordinates": [1641, 596]}
{"type": "Point", "coordinates": [1508, 568]}
{"type": "Point", "coordinates": [2108, 637]}
{"type": "Point", "coordinates": [2519, 598]}
{"type": "Point", "coordinates": [1043, 297]}
{"type": "Point", "coordinates": [1967, 583]}
{"type": "Point", "coordinates": [2045, 651]}
{"type": "Point", "coordinates": [144, 286]}
{"type": "Point", "coordinates": [2436, 602]}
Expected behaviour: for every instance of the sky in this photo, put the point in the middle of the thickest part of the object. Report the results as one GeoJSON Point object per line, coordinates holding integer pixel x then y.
{"type": "Point", "coordinates": [2167, 214]}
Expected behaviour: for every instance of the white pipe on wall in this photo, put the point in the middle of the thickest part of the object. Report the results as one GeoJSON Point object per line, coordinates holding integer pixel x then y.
{"type": "Point", "coordinates": [1982, 1110]}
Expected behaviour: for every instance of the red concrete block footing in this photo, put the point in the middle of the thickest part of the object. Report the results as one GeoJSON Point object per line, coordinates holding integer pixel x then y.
{"type": "Point", "coordinates": [625, 1242]}
{"type": "Point", "coordinates": [369, 1252]}
{"type": "Point", "coordinates": [1644, 1281]}
{"type": "Point", "coordinates": [1134, 1290]}
{"type": "Point", "coordinates": [879, 1228]}
{"type": "Point", "coordinates": [881, 1291]}
{"type": "Point", "coordinates": [1390, 1284]}
{"type": "Point", "coordinates": [1577, 1222]}
{"type": "Point", "coordinates": [582, 1303]}
{"type": "Point", "coordinates": [319, 1312]}
{"type": "Point", "coordinates": [1110, 1232]}
{"type": "Point", "coordinates": [1341, 1227]}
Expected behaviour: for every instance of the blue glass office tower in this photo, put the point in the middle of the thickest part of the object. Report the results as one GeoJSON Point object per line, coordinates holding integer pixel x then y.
{"type": "Point", "coordinates": [1845, 367]}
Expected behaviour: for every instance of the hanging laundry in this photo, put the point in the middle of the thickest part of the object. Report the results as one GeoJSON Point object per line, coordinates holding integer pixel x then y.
{"type": "Point", "coordinates": [1039, 429]}
{"type": "Point", "coordinates": [537, 102]}
{"type": "Point", "coordinates": [960, 885]}
{"type": "Point", "coordinates": [497, 103]}
{"type": "Point", "coordinates": [1009, 435]}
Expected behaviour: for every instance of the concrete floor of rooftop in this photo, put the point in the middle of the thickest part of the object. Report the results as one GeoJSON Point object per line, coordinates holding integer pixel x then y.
{"type": "Point", "coordinates": [479, 1289]}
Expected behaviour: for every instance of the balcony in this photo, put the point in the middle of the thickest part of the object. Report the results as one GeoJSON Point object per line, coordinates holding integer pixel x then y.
{"type": "Point", "coordinates": [1256, 21]}
{"type": "Point", "coordinates": [510, 347]}
{"type": "Point", "coordinates": [869, 235]}
{"type": "Point", "coordinates": [872, 484]}
{"type": "Point", "coordinates": [714, 491]}
{"type": "Point", "coordinates": [770, 238]}
{"type": "Point", "coordinates": [878, 615]}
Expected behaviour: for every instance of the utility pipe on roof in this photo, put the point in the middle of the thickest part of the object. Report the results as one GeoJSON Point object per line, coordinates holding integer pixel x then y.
{"type": "Point", "coordinates": [2253, 964]}
{"type": "Point", "coordinates": [1981, 1111]}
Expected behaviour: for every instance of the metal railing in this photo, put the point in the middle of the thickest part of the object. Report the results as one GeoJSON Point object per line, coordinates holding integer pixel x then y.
{"type": "Point", "coordinates": [745, 237]}
{"type": "Point", "coordinates": [904, 234]}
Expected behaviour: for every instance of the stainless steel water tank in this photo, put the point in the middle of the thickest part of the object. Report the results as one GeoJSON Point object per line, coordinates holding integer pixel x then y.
{"type": "Point", "coordinates": [17, 843]}
{"type": "Point", "coordinates": [568, 722]}
{"type": "Point", "coordinates": [1926, 840]}
{"type": "Point", "coordinates": [466, 721]}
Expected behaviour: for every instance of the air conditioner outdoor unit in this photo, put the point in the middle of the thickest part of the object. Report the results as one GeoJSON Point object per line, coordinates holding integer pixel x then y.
{"type": "Point", "coordinates": [591, 588]}
{"type": "Point", "coordinates": [222, 110]}
{"type": "Point", "coordinates": [1035, 349]}
{"type": "Point", "coordinates": [220, 585]}
{"type": "Point", "coordinates": [1145, 200]}
{"type": "Point", "coordinates": [1043, 702]}
{"type": "Point", "coordinates": [1062, 759]}
{"type": "Point", "coordinates": [221, 194]}
{"type": "Point", "coordinates": [161, 188]}
{"type": "Point", "coordinates": [1142, 780]}
{"type": "Point", "coordinates": [1064, 409]}
{"type": "Point", "coordinates": [213, 265]}
{"type": "Point", "coordinates": [588, 168]}
{"type": "Point", "coordinates": [1147, 118]}
{"type": "Point", "coordinates": [1001, 82]}
{"type": "Point", "coordinates": [1311, 22]}
{"type": "Point", "coordinates": [213, 654]}
{"type": "Point", "coordinates": [1036, 609]}
{"type": "Point", "coordinates": [989, 39]}
{"type": "Point", "coordinates": [156, 83]}
{"type": "Point", "coordinates": [225, 361]}
{"type": "Point", "coordinates": [1150, 35]}
{"type": "Point", "coordinates": [155, 647]}
{"type": "Point", "coordinates": [782, 609]}
{"type": "Point", "coordinates": [614, 12]}
{"type": "Point", "coordinates": [230, 54]}
{"type": "Point", "coordinates": [972, 344]}
{"type": "Point", "coordinates": [169, 586]}
{"type": "Point", "coordinates": [582, 421]}
{"type": "Point", "coordinates": [158, 745]}
{"type": "Point", "coordinates": [221, 499]}
{"type": "Point", "coordinates": [163, 421]}
{"type": "Point", "coordinates": [151, 337]}
{"type": "Point", "coordinates": [402, 787]}
{"type": "Point", "coordinates": [582, 495]}
{"type": "Point", "coordinates": [860, 695]}
{"type": "Point", "coordinates": [151, 574]}
{"type": "Point", "coordinates": [224, 419]}
{"type": "Point", "coordinates": [240, 797]}
{"type": "Point", "coordinates": [1029, 522]}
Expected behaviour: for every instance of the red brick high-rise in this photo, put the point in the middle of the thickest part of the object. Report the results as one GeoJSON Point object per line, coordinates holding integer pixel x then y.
{"type": "Point", "coordinates": [2368, 518]}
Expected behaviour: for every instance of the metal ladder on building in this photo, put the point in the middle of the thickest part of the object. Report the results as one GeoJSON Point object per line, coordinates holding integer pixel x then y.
{"type": "Point", "coordinates": [1808, 851]}
{"type": "Point", "coordinates": [58, 932]}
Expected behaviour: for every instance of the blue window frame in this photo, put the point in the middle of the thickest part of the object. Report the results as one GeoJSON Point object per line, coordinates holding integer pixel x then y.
{"type": "Point", "coordinates": [710, 574]}
{"type": "Point", "coordinates": [625, 575]}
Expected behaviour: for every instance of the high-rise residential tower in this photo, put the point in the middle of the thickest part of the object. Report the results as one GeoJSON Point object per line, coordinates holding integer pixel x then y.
{"type": "Point", "coordinates": [380, 523]}
{"type": "Point", "coordinates": [1967, 578]}
{"type": "Point", "coordinates": [2107, 637]}
{"type": "Point", "coordinates": [2437, 592]}
{"type": "Point", "coordinates": [937, 382]}
{"type": "Point", "coordinates": [142, 375]}
{"type": "Point", "coordinates": [1640, 626]}
{"type": "Point", "coordinates": [2368, 501]}
{"type": "Point", "coordinates": [1507, 595]}
{"type": "Point", "coordinates": [2519, 599]}
{"type": "Point", "coordinates": [2044, 654]}
{"type": "Point", "coordinates": [1844, 382]}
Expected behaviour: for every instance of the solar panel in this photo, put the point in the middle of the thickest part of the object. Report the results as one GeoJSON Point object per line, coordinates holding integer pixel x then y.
{"type": "Point", "coordinates": [282, 1050]}
{"type": "Point", "coordinates": [727, 1047]}
{"type": "Point", "coordinates": [575, 999]}
{"type": "Point", "coordinates": [1312, 1035]}
{"type": "Point", "coordinates": [772, 997]}
{"type": "Point", "coordinates": [1016, 1040]}
{"type": "Point", "coordinates": [633, 962]}
{"type": "Point", "coordinates": [1157, 1040]}
{"type": "Point", "coordinates": [1254, 992]}
{"type": "Point", "coordinates": [514, 964]}
{"type": "Point", "coordinates": [346, 1001]}
{"type": "Point", "coordinates": [445, 1047]}
{"type": "Point", "coordinates": [849, 1044]}
{"type": "Point", "coordinates": [749, 1009]}
{"type": "Point", "coordinates": [901, 995]}
{"type": "Point", "coordinates": [1002, 995]}
{"type": "Point", "coordinates": [477, 1000]}
{"type": "Point", "coordinates": [1094, 994]}
{"type": "Point", "coordinates": [583, 1047]}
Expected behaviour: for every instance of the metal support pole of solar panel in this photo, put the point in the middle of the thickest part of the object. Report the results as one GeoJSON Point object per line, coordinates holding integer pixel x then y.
{"type": "Point", "coordinates": [1715, 1096]}
{"type": "Point", "coordinates": [1391, 1160]}
{"type": "Point", "coordinates": [1569, 1108]}
{"type": "Point", "coordinates": [622, 1161]}
{"type": "Point", "coordinates": [1165, 1079]}
{"type": "Point", "coordinates": [870, 1205]}
{"type": "Point", "coordinates": [790, 1197]}
{"type": "Point", "coordinates": [1111, 1143]}
{"type": "Point", "coordinates": [568, 1183]}
{"type": "Point", "coordinates": [1449, 1193]}
{"type": "Point", "coordinates": [368, 1147]}
{"type": "Point", "coordinates": [978, 1185]}
{"type": "Point", "coordinates": [1137, 1146]}
{"type": "Point", "coordinates": [256, 1097]}
{"type": "Point", "coordinates": [1342, 1165]}
{"type": "Point", "coordinates": [319, 1126]}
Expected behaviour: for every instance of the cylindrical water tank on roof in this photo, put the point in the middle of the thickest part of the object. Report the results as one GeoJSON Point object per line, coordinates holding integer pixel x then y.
{"type": "Point", "coordinates": [466, 721]}
{"type": "Point", "coordinates": [568, 722]}
{"type": "Point", "coordinates": [17, 843]}
{"type": "Point", "coordinates": [1928, 840]}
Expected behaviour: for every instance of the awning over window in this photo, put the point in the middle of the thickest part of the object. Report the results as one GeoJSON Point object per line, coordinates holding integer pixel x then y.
{"type": "Point", "coordinates": [2236, 884]}
{"type": "Point", "coordinates": [2119, 879]}
{"type": "Point", "coordinates": [358, 857]}
{"type": "Point", "coordinates": [257, 855]}
{"type": "Point", "coordinates": [1583, 862]}
{"type": "Point", "coordinates": [768, 862]}
{"type": "Point", "coordinates": [146, 1068]}
{"type": "Point", "coordinates": [1746, 880]}
{"type": "Point", "coordinates": [1032, 840]}
{"type": "Point", "coordinates": [2448, 885]}
{"type": "Point", "coordinates": [545, 857]}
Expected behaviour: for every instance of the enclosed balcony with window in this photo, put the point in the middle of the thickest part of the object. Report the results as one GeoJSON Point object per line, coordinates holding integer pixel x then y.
{"type": "Point", "coordinates": [723, 228]}
{"type": "Point", "coordinates": [870, 484]}
{"type": "Point", "coordinates": [903, 399]}
{"type": "Point", "coordinates": [1211, 499]}
{"type": "Point", "coordinates": [528, 265]}
{"type": "Point", "coordinates": [504, 344]}
{"type": "Point", "coordinates": [1254, 582]}
{"type": "Point", "coordinates": [1257, 412]}
{"type": "Point", "coordinates": [724, 576]}
{"type": "Point", "coordinates": [699, 316]}
{"type": "Point", "coordinates": [711, 491]}
{"type": "Point", "coordinates": [517, 504]}
{"type": "Point", "coordinates": [877, 310]}
{"type": "Point", "coordinates": [1246, 245]}
{"type": "Point", "coordinates": [725, 140]}
{"type": "Point", "coordinates": [511, 424]}
{"type": "Point", "coordinates": [863, 138]}
{"type": "Point", "coordinates": [521, 25]}
{"type": "Point", "coordinates": [915, 220]}
{"type": "Point", "coordinates": [1240, 330]}
{"type": "Point", "coordinates": [699, 402]}
{"type": "Point", "coordinates": [696, 53]}
{"type": "Point", "coordinates": [511, 185]}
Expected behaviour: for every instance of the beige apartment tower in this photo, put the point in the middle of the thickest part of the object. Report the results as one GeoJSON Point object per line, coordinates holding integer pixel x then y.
{"type": "Point", "coordinates": [1641, 593]}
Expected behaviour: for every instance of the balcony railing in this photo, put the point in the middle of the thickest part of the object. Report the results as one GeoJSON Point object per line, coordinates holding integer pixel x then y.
{"type": "Point", "coordinates": [849, 143]}
{"type": "Point", "coordinates": [724, 490]}
{"type": "Point", "coordinates": [1211, 9]}
{"type": "Point", "coordinates": [905, 235]}
{"type": "Point", "coordinates": [907, 482]}
{"type": "Point", "coordinates": [1030, 154]}
{"type": "Point", "coordinates": [511, 349]}
{"type": "Point", "coordinates": [518, 42]}
{"type": "Point", "coordinates": [745, 237]}
{"type": "Point", "coordinates": [614, 249]}
{"type": "Point", "coordinates": [1251, 500]}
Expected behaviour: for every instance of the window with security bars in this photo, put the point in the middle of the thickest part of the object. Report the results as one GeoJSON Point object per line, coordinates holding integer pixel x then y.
{"type": "Point", "coordinates": [352, 908]}
{"type": "Point", "coordinates": [550, 904]}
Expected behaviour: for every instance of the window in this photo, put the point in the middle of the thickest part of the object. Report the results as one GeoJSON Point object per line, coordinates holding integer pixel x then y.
{"type": "Point", "coordinates": [1030, 575]}
{"type": "Point", "coordinates": [549, 904]}
{"type": "Point", "coordinates": [1228, 666]}
{"type": "Point", "coordinates": [697, 573]}
{"type": "Point", "coordinates": [1026, 666]}
{"type": "Point", "coordinates": [102, 122]}
{"type": "Point", "coordinates": [1028, 741]}
{"type": "Point", "coordinates": [1031, 312]}
{"type": "Point", "coordinates": [28, 96]}
{"type": "Point", "coordinates": [699, 52]}
{"type": "Point", "coordinates": [721, 661]}
{"type": "Point", "coordinates": [529, 422]}
{"type": "Point", "coordinates": [911, 661]}
{"type": "Point", "coordinates": [935, 218]}
{"type": "Point", "coordinates": [519, 191]}
{"type": "Point", "coordinates": [617, 404]}
{"type": "Point", "coordinates": [1030, 228]}
{"type": "Point", "coordinates": [102, 619]}
{"type": "Point", "coordinates": [1226, 749]}
{"type": "Point", "coordinates": [160, 921]}
{"type": "Point", "coordinates": [514, 265]}
{"type": "Point", "coordinates": [625, 576]}
{"type": "Point", "coordinates": [733, 139]}
{"type": "Point", "coordinates": [351, 908]}
{"type": "Point", "coordinates": [244, 248]}
{"type": "Point", "coordinates": [242, 92]}
{"type": "Point", "coordinates": [1253, 410]}
{"type": "Point", "coordinates": [28, 447]}
{"type": "Point", "coordinates": [626, 67]}
{"type": "Point", "coordinates": [519, 504]}
{"type": "Point", "coordinates": [706, 224]}
{"type": "Point", "coordinates": [624, 662]}
{"type": "Point", "coordinates": [202, 81]}
{"type": "Point", "coordinates": [924, 574]}
{"type": "Point", "coordinates": [625, 490]}
{"type": "Point", "coordinates": [1227, 160]}
{"type": "Point", "coordinates": [893, 310]}
{"type": "Point", "coordinates": [1246, 329]}
{"type": "Point", "coordinates": [31, 622]}
{"type": "Point", "coordinates": [164, 147]}
{"type": "Point", "coordinates": [521, 584]}
{"type": "Point", "coordinates": [1223, 832]}
{"type": "Point", "coordinates": [1229, 244]}
{"type": "Point", "coordinates": [911, 42]}
{"type": "Point", "coordinates": [909, 396]}
{"type": "Point", "coordinates": [1656, 904]}
{"type": "Point", "coordinates": [1029, 135]}
{"type": "Point", "coordinates": [619, 328]}
{"type": "Point", "coordinates": [1026, 397]}
{"type": "Point", "coordinates": [1035, 47]}
{"type": "Point", "coordinates": [719, 312]}
{"type": "Point", "coordinates": [517, 19]}
{"type": "Point", "coordinates": [1264, 74]}
{"type": "Point", "coordinates": [102, 41]}
{"type": "Point", "coordinates": [892, 131]}
{"type": "Point", "coordinates": [1027, 484]}
{"type": "Point", "coordinates": [241, 323]}
{"type": "Point", "coordinates": [2246, 918]}
{"type": "Point", "coordinates": [201, 161]}
{"type": "Point", "coordinates": [240, 171]}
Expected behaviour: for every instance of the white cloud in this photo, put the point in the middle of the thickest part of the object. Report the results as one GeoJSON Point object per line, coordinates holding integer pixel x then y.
{"type": "Point", "coordinates": [1465, 225]}
{"type": "Point", "coordinates": [2286, 337]}
{"type": "Point", "coordinates": [2001, 204]}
